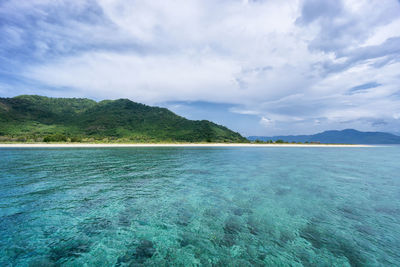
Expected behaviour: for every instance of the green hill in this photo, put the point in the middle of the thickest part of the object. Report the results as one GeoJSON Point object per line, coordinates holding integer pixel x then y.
{"type": "Point", "coordinates": [36, 118]}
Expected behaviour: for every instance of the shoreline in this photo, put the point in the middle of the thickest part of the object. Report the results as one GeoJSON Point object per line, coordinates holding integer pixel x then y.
{"type": "Point", "coordinates": [80, 145]}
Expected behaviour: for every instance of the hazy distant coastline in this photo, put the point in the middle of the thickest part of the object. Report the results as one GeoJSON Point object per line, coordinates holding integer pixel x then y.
{"type": "Point", "coordinates": [347, 136]}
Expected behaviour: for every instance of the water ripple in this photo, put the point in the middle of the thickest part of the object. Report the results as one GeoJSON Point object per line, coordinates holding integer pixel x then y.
{"type": "Point", "coordinates": [200, 206]}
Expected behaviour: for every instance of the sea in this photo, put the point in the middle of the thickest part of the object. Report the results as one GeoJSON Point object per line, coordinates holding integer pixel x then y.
{"type": "Point", "coordinates": [200, 206]}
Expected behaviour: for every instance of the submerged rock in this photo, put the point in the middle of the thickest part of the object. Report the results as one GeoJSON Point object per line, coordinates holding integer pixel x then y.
{"type": "Point", "coordinates": [145, 250]}
{"type": "Point", "coordinates": [72, 248]}
{"type": "Point", "coordinates": [140, 254]}
{"type": "Point", "coordinates": [337, 245]}
{"type": "Point", "coordinates": [252, 226]}
{"type": "Point", "coordinates": [184, 242]}
{"type": "Point", "coordinates": [351, 252]}
{"type": "Point", "coordinates": [184, 216]}
{"type": "Point", "coordinates": [186, 239]}
{"type": "Point", "coordinates": [241, 211]}
{"type": "Point", "coordinates": [285, 237]}
{"type": "Point", "coordinates": [232, 226]}
{"type": "Point", "coordinates": [228, 240]}
{"type": "Point", "coordinates": [282, 191]}
{"type": "Point", "coordinates": [95, 226]}
{"type": "Point", "coordinates": [212, 212]}
{"type": "Point", "coordinates": [123, 220]}
{"type": "Point", "coordinates": [365, 229]}
{"type": "Point", "coordinates": [312, 235]}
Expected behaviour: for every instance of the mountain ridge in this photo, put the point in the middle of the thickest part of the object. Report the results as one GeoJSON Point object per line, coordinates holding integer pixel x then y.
{"type": "Point", "coordinates": [347, 136]}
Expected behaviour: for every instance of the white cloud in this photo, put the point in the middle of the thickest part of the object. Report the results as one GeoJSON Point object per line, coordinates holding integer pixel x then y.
{"type": "Point", "coordinates": [149, 79]}
{"type": "Point", "coordinates": [244, 111]}
{"type": "Point", "coordinates": [257, 55]}
{"type": "Point", "coordinates": [266, 122]}
{"type": "Point", "coordinates": [382, 33]}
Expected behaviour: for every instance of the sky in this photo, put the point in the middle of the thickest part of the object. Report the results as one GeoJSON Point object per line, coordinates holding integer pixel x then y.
{"type": "Point", "coordinates": [259, 67]}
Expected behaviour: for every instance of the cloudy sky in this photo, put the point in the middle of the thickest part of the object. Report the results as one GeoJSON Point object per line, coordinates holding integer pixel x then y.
{"type": "Point", "coordinates": [259, 67]}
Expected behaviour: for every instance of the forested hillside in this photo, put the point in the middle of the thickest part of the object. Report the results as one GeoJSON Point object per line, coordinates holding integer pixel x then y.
{"type": "Point", "coordinates": [34, 118]}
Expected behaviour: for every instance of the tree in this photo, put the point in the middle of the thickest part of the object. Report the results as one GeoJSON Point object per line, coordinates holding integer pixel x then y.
{"type": "Point", "coordinates": [55, 138]}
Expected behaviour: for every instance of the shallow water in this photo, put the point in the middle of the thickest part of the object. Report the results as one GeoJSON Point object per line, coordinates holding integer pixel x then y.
{"type": "Point", "coordinates": [200, 206]}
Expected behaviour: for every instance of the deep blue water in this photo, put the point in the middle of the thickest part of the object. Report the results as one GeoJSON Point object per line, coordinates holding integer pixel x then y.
{"type": "Point", "coordinates": [200, 207]}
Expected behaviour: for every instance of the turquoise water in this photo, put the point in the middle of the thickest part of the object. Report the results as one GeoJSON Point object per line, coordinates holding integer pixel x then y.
{"type": "Point", "coordinates": [200, 207]}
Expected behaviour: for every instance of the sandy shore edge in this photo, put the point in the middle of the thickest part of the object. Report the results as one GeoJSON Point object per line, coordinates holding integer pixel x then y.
{"type": "Point", "coordinates": [170, 145]}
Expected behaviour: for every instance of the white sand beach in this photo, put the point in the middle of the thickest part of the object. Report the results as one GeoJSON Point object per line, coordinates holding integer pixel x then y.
{"type": "Point", "coordinates": [83, 145]}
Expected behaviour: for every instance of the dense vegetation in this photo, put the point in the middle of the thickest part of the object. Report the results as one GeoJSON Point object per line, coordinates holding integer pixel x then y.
{"type": "Point", "coordinates": [348, 136]}
{"type": "Point", "coordinates": [31, 118]}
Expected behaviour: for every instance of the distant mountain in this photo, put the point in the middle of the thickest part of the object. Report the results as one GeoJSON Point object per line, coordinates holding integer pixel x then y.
{"type": "Point", "coordinates": [348, 136]}
{"type": "Point", "coordinates": [37, 118]}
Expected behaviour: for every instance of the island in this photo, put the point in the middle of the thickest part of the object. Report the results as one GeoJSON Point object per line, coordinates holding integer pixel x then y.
{"type": "Point", "coordinates": [39, 119]}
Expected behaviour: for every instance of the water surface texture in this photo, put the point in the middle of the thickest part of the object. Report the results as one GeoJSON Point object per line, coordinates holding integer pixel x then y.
{"type": "Point", "coordinates": [200, 207]}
